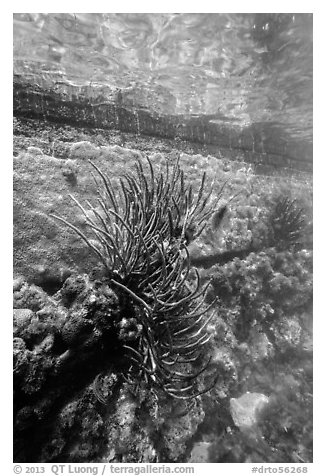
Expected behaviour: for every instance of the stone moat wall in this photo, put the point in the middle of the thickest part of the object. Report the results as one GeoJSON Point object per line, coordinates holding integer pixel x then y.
{"type": "Point", "coordinates": [262, 143]}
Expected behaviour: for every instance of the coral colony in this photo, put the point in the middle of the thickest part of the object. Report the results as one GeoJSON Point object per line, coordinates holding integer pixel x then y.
{"type": "Point", "coordinates": [288, 223]}
{"type": "Point", "coordinates": [114, 352]}
{"type": "Point", "coordinates": [141, 240]}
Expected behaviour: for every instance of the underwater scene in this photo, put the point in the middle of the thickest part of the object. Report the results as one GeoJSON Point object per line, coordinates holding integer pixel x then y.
{"type": "Point", "coordinates": [163, 238]}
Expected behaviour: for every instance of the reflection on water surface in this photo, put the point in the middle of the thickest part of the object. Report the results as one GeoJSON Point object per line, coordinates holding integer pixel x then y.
{"type": "Point", "coordinates": [240, 69]}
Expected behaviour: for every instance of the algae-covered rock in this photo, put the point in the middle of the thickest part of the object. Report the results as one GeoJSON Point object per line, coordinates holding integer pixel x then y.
{"type": "Point", "coordinates": [58, 351]}
{"type": "Point", "coordinates": [70, 172]}
{"type": "Point", "coordinates": [40, 242]}
{"type": "Point", "coordinates": [83, 150]}
{"type": "Point", "coordinates": [245, 409]}
{"type": "Point", "coordinates": [288, 334]}
{"type": "Point", "coordinates": [178, 431]}
{"type": "Point", "coordinates": [71, 402]}
{"type": "Point", "coordinates": [34, 150]}
{"type": "Point", "coordinates": [22, 319]}
{"type": "Point", "coordinates": [261, 347]}
{"type": "Point", "coordinates": [28, 296]}
{"type": "Point", "coordinates": [78, 429]}
{"type": "Point", "coordinates": [200, 453]}
{"type": "Point", "coordinates": [42, 185]}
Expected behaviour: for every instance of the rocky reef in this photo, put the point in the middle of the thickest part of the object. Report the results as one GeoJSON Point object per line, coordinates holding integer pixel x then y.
{"type": "Point", "coordinates": [106, 108]}
{"type": "Point", "coordinates": [72, 402]}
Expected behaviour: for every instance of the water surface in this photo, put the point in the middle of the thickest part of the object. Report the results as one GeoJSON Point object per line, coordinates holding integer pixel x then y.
{"type": "Point", "coordinates": [237, 70]}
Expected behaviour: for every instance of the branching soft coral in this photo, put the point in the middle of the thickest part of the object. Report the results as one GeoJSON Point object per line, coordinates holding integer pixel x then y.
{"type": "Point", "coordinates": [141, 239]}
{"type": "Point", "coordinates": [287, 223]}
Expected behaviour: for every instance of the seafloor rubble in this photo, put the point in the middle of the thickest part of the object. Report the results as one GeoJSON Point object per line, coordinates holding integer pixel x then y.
{"type": "Point", "coordinates": [70, 401]}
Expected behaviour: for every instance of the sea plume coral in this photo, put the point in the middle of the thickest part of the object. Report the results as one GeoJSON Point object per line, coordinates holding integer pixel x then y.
{"type": "Point", "coordinates": [287, 222]}
{"type": "Point", "coordinates": [141, 239]}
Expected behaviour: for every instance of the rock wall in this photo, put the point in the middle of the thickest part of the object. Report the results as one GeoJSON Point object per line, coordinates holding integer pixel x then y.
{"type": "Point", "coordinates": [79, 106]}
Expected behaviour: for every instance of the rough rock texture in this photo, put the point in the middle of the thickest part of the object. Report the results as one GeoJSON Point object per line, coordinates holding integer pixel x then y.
{"type": "Point", "coordinates": [58, 351]}
{"type": "Point", "coordinates": [244, 409]}
{"type": "Point", "coordinates": [76, 108]}
{"type": "Point", "coordinates": [45, 250]}
{"type": "Point", "coordinates": [71, 403]}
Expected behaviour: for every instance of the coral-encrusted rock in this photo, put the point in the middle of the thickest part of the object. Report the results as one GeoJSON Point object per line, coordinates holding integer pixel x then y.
{"type": "Point", "coordinates": [130, 429]}
{"type": "Point", "coordinates": [34, 150]}
{"type": "Point", "coordinates": [245, 409]}
{"type": "Point", "coordinates": [225, 368]}
{"type": "Point", "coordinates": [125, 418]}
{"type": "Point", "coordinates": [19, 350]}
{"type": "Point", "coordinates": [288, 334]}
{"type": "Point", "coordinates": [57, 352]}
{"type": "Point", "coordinates": [78, 430]}
{"type": "Point", "coordinates": [94, 309]}
{"type": "Point", "coordinates": [129, 329]}
{"type": "Point", "coordinates": [261, 347]}
{"type": "Point", "coordinates": [28, 296]}
{"type": "Point", "coordinates": [72, 288]}
{"type": "Point", "coordinates": [31, 367]}
{"type": "Point", "coordinates": [200, 453]}
{"type": "Point", "coordinates": [83, 150]}
{"type": "Point", "coordinates": [42, 185]}
{"type": "Point", "coordinates": [22, 319]}
{"type": "Point", "coordinates": [77, 330]}
{"type": "Point", "coordinates": [178, 431]}
{"type": "Point", "coordinates": [70, 172]}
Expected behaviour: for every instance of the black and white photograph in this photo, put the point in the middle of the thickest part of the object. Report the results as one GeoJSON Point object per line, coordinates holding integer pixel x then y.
{"type": "Point", "coordinates": [162, 240]}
